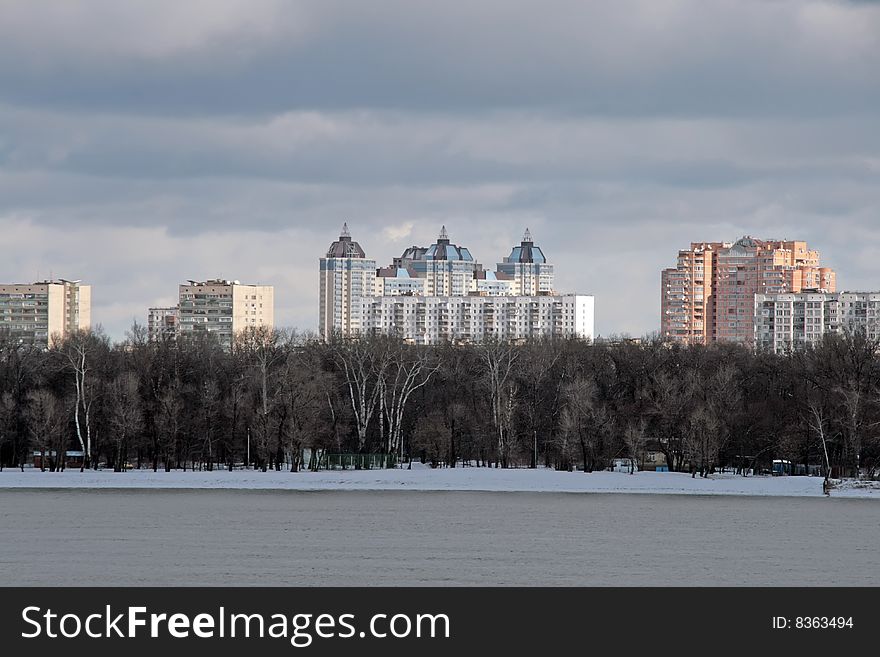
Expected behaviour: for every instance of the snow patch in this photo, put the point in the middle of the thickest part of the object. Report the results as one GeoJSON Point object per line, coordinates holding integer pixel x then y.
{"type": "Point", "coordinates": [423, 478]}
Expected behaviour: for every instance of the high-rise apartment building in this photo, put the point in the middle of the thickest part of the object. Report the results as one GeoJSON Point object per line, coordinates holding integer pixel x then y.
{"type": "Point", "coordinates": [709, 295]}
{"type": "Point", "coordinates": [686, 295]}
{"type": "Point", "coordinates": [38, 312]}
{"type": "Point", "coordinates": [785, 322]}
{"type": "Point", "coordinates": [528, 269]}
{"type": "Point", "coordinates": [447, 268]}
{"type": "Point", "coordinates": [224, 308]}
{"type": "Point", "coordinates": [348, 277]}
{"type": "Point", "coordinates": [440, 293]}
{"type": "Point", "coordinates": [163, 323]}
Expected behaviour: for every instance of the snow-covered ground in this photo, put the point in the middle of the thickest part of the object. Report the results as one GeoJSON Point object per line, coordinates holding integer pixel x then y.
{"type": "Point", "coordinates": [423, 478]}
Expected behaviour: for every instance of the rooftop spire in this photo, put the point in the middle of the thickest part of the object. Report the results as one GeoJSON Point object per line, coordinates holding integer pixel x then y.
{"type": "Point", "coordinates": [527, 237]}
{"type": "Point", "coordinates": [345, 247]}
{"type": "Point", "coordinates": [443, 234]}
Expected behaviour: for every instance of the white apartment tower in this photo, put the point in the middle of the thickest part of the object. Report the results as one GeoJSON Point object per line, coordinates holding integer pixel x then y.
{"type": "Point", "coordinates": [35, 313]}
{"type": "Point", "coordinates": [528, 269]}
{"type": "Point", "coordinates": [348, 278]}
{"type": "Point", "coordinates": [448, 269]}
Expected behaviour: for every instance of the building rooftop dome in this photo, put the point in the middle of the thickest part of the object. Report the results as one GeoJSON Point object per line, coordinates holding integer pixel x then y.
{"type": "Point", "coordinates": [747, 241]}
{"type": "Point", "coordinates": [527, 251]}
{"type": "Point", "coordinates": [344, 247]}
{"type": "Point", "coordinates": [443, 249]}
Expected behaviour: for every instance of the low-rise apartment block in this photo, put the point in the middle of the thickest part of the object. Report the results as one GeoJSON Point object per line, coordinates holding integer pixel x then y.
{"type": "Point", "coordinates": [435, 320]}
{"type": "Point", "coordinates": [786, 322]}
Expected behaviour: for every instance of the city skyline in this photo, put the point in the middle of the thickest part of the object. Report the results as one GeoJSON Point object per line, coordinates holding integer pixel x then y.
{"type": "Point", "coordinates": [161, 143]}
{"type": "Point", "coordinates": [766, 271]}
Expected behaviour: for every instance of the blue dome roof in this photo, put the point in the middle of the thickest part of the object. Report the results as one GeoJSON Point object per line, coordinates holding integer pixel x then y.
{"type": "Point", "coordinates": [527, 251]}
{"type": "Point", "coordinates": [443, 249]}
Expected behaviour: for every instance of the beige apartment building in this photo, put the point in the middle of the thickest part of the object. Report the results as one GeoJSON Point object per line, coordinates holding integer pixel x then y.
{"type": "Point", "coordinates": [710, 294]}
{"type": "Point", "coordinates": [39, 312]}
{"type": "Point", "coordinates": [224, 308]}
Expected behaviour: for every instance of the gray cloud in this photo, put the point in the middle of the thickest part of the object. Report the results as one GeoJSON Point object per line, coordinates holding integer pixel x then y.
{"type": "Point", "coordinates": [684, 57]}
{"type": "Point", "coordinates": [147, 143]}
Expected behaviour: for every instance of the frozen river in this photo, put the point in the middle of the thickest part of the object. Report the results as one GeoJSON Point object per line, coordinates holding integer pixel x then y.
{"type": "Point", "coordinates": [238, 537]}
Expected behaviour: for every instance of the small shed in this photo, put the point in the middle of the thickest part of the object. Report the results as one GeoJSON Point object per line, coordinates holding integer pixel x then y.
{"type": "Point", "coordinates": [73, 458]}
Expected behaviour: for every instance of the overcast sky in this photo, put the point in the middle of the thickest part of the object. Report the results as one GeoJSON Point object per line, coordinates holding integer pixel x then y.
{"type": "Point", "coordinates": [146, 143]}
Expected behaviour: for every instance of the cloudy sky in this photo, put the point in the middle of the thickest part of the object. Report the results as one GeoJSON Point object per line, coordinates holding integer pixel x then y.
{"type": "Point", "coordinates": [145, 143]}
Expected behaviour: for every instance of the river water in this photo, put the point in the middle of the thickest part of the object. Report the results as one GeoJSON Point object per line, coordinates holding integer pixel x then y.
{"type": "Point", "coordinates": [217, 537]}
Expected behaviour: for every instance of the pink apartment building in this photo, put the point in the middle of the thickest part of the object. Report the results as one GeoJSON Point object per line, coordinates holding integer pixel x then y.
{"type": "Point", "coordinates": [710, 294]}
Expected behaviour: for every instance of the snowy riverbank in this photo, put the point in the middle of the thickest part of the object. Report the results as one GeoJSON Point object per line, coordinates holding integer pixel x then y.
{"type": "Point", "coordinates": [422, 478]}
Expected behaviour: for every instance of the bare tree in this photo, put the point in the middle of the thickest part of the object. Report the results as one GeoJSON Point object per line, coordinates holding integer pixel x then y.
{"type": "Point", "coordinates": [498, 359]}
{"type": "Point", "coordinates": [167, 421]}
{"type": "Point", "coordinates": [44, 419]}
{"type": "Point", "coordinates": [586, 418]}
{"type": "Point", "coordinates": [538, 362]}
{"type": "Point", "coordinates": [409, 369]}
{"type": "Point", "coordinates": [79, 350]}
{"type": "Point", "coordinates": [363, 362]}
{"type": "Point", "coordinates": [8, 413]}
{"type": "Point", "coordinates": [263, 348]}
{"type": "Point", "coordinates": [431, 438]}
{"type": "Point", "coordinates": [634, 437]}
{"type": "Point", "coordinates": [125, 416]}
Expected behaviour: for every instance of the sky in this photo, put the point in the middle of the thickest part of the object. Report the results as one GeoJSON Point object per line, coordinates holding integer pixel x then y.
{"type": "Point", "coordinates": [146, 143]}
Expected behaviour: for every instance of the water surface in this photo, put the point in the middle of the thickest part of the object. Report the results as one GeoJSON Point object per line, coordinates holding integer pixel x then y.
{"type": "Point", "coordinates": [216, 537]}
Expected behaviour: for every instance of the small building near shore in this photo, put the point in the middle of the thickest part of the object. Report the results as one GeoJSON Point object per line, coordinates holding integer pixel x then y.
{"type": "Point", "coordinates": [72, 458]}
{"type": "Point", "coordinates": [623, 465]}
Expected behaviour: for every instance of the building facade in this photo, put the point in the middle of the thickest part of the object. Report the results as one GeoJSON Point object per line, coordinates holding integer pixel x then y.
{"type": "Point", "coordinates": [788, 322]}
{"type": "Point", "coordinates": [440, 293]}
{"type": "Point", "coordinates": [439, 319]}
{"type": "Point", "coordinates": [224, 308]}
{"type": "Point", "coordinates": [710, 294]}
{"type": "Point", "coordinates": [397, 281]}
{"type": "Point", "coordinates": [686, 309]}
{"type": "Point", "coordinates": [447, 268]}
{"type": "Point", "coordinates": [163, 323]}
{"type": "Point", "coordinates": [347, 278]}
{"type": "Point", "coordinates": [528, 269]}
{"type": "Point", "coordinates": [40, 312]}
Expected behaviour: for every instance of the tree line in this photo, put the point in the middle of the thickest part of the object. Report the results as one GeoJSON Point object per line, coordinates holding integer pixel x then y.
{"type": "Point", "coordinates": [283, 400]}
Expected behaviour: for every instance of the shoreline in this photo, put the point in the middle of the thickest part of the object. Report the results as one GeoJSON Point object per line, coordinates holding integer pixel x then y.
{"type": "Point", "coordinates": [424, 479]}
